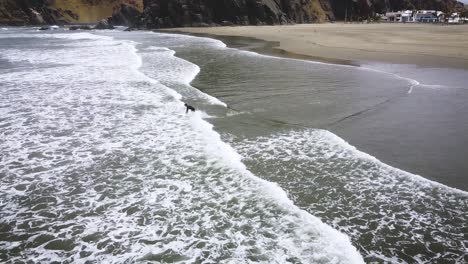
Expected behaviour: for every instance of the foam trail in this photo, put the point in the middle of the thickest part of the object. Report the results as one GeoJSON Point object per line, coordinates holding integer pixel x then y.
{"type": "Point", "coordinates": [412, 82]}
{"type": "Point", "coordinates": [373, 159]}
{"type": "Point", "coordinates": [105, 167]}
{"type": "Point", "coordinates": [184, 74]}
{"type": "Point", "coordinates": [132, 44]}
{"type": "Point", "coordinates": [211, 99]}
{"type": "Point", "coordinates": [215, 43]}
{"type": "Point", "coordinates": [223, 151]}
{"type": "Point", "coordinates": [372, 202]}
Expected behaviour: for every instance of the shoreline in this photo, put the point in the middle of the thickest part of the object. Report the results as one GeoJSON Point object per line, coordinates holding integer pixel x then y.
{"type": "Point", "coordinates": [378, 148]}
{"type": "Point", "coordinates": [263, 47]}
{"type": "Point", "coordinates": [429, 46]}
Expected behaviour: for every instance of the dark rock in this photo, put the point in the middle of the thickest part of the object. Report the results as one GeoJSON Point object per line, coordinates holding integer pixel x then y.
{"type": "Point", "coordinates": [103, 24]}
{"type": "Point", "coordinates": [226, 23]}
{"type": "Point", "coordinates": [177, 13]}
{"type": "Point", "coordinates": [44, 28]}
{"type": "Point", "coordinates": [201, 24]}
{"type": "Point", "coordinates": [126, 15]}
{"type": "Point", "coordinates": [80, 28]}
{"type": "Point", "coordinates": [29, 12]}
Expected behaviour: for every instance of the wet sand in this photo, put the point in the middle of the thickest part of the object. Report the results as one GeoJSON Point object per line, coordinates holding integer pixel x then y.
{"type": "Point", "coordinates": [419, 44]}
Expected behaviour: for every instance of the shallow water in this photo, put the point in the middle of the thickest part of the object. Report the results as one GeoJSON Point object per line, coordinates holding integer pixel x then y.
{"type": "Point", "coordinates": [100, 163]}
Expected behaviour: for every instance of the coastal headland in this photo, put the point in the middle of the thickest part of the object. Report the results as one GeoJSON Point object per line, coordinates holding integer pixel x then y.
{"type": "Point", "coordinates": [424, 45]}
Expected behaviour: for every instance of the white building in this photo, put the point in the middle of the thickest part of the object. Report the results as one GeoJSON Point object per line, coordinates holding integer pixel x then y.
{"type": "Point", "coordinates": [426, 16]}
{"type": "Point", "coordinates": [454, 19]}
{"type": "Point", "coordinates": [400, 16]}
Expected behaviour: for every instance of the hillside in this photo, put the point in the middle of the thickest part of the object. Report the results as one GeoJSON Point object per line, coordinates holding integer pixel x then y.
{"type": "Point", "coordinates": [183, 13]}
{"type": "Point", "coordinates": [36, 12]}
{"type": "Point", "coordinates": [177, 13]}
{"type": "Point", "coordinates": [89, 11]}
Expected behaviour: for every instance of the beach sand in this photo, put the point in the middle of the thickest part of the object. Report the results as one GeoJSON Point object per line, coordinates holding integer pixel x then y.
{"type": "Point", "coordinates": [419, 44]}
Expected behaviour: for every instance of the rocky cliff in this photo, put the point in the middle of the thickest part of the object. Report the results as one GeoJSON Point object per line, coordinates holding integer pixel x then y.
{"type": "Point", "coordinates": [180, 13]}
{"type": "Point", "coordinates": [36, 12]}
{"type": "Point", "coordinates": [20, 12]}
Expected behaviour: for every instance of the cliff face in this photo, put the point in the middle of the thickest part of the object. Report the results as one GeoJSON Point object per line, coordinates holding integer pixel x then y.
{"type": "Point", "coordinates": [24, 12]}
{"type": "Point", "coordinates": [182, 13]}
{"type": "Point", "coordinates": [89, 11]}
{"type": "Point", "coordinates": [36, 12]}
{"type": "Point", "coordinates": [178, 13]}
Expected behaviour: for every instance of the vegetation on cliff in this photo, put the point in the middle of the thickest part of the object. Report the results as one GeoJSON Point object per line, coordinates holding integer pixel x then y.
{"type": "Point", "coordinates": [179, 13]}
{"type": "Point", "coordinates": [37, 12]}
{"type": "Point", "coordinates": [182, 13]}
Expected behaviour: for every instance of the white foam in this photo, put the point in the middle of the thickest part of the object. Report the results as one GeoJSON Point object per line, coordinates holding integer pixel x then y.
{"type": "Point", "coordinates": [76, 36]}
{"type": "Point", "coordinates": [159, 49]}
{"type": "Point", "coordinates": [334, 243]}
{"type": "Point", "coordinates": [369, 157]}
{"type": "Point", "coordinates": [212, 42]}
{"type": "Point", "coordinates": [413, 83]}
{"type": "Point", "coordinates": [130, 173]}
{"type": "Point", "coordinates": [360, 195]}
{"type": "Point", "coordinates": [172, 69]}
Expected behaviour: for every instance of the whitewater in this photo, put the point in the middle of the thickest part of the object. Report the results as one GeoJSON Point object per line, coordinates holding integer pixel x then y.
{"type": "Point", "coordinates": [101, 164]}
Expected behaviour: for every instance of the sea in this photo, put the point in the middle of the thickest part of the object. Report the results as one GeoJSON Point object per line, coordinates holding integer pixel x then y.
{"type": "Point", "coordinates": [284, 160]}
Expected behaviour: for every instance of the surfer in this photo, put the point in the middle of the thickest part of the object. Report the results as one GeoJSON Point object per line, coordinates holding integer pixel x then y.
{"type": "Point", "coordinates": [189, 107]}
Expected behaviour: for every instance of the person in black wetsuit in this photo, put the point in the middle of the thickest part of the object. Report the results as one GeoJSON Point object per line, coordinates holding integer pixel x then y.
{"type": "Point", "coordinates": [189, 107]}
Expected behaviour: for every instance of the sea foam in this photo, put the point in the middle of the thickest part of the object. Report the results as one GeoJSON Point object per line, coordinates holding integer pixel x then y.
{"type": "Point", "coordinates": [106, 167]}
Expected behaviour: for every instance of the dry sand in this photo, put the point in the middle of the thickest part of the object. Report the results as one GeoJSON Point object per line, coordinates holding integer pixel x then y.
{"type": "Point", "coordinates": [420, 44]}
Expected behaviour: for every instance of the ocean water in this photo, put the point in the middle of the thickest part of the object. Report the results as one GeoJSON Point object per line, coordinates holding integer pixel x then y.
{"type": "Point", "coordinates": [100, 164]}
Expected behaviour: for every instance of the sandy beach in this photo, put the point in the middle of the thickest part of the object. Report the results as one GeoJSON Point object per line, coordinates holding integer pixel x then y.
{"type": "Point", "coordinates": [420, 44]}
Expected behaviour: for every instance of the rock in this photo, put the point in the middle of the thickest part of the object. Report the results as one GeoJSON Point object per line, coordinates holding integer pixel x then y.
{"type": "Point", "coordinates": [44, 28]}
{"type": "Point", "coordinates": [36, 17]}
{"type": "Point", "coordinates": [226, 23]}
{"type": "Point", "coordinates": [28, 12]}
{"type": "Point", "coordinates": [201, 24]}
{"type": "Point", "coordinates": [103, 24]}
{"type": "Point", "coordinates": [79, 28]}
{"type": "Point", "coordinates": [40, 12]}
{"type": "Point", "coordinates": [126, 15]}
{"type": "Point", "coordinates": [176, 13]}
